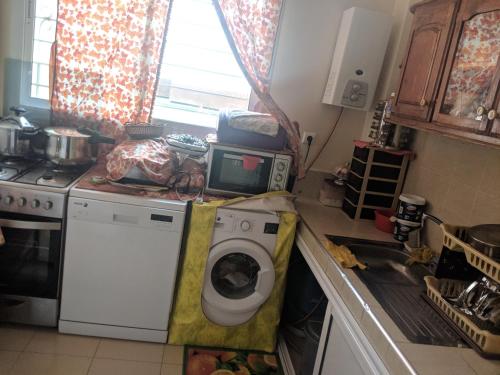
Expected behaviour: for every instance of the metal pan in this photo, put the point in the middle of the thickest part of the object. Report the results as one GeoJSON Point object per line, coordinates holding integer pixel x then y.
{"type": "Point", "coordinates": [486, 239]}
{"type": "Point", "coordinates": [70, 146]}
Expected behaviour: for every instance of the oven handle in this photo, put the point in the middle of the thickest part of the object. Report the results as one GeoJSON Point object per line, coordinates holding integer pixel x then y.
{"type": "Point", "coordinates": [34, 225]}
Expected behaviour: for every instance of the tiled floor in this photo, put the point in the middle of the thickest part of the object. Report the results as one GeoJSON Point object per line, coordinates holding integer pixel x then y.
{"type": "Point", "coordinates": [36, 351]}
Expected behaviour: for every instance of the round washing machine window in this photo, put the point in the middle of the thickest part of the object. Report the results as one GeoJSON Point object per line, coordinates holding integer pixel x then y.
{"type": "Point", "coordinates": [239, 278]}
{"type": "Point", "coordinates": [235, 275]}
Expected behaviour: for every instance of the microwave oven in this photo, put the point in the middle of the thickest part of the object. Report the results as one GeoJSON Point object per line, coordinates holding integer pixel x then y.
{"type": "Point", "coordinates": [234, 170]}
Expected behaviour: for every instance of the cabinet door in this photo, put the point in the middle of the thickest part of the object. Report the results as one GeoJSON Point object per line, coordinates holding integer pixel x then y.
{"type": "Point", "coordinates": [425, 59]}
{"type": "Point", "coordinates": [494, 114]}
{"type": "Point", "coordinates": [338, 356]}
{"type": "Point", "coordinates": [470, 81]}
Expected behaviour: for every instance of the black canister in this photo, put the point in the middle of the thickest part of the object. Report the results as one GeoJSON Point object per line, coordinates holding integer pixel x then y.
{"type": "Point", "coordinates": [410, 208]}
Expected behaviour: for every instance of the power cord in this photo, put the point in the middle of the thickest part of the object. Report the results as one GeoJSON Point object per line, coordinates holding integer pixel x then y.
{"type": "Point", "coordinates": [325, 143]}
{"type": "Point", "coordinates": [309, 140]}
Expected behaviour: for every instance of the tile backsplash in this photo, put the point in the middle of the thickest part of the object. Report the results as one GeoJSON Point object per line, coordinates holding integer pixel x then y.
{"type": "Point", "coordinates": [461, 182]}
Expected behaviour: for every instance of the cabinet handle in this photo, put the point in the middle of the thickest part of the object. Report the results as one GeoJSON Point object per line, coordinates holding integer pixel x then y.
{"type": "Point", "coordinates": [492, 114]}
{"type": "Point", "coordinates": [423, 102]}
{"type": "Point", "coordinates": [480, 110]}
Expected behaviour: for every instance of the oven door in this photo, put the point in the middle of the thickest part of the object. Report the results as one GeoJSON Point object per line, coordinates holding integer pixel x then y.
{"type": "Point", "coordinates": [240, 173]}
{"type": "Point", "coordinates": [30, 259]}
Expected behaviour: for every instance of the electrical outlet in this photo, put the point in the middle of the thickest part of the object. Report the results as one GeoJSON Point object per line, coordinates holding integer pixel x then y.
{"type": "Point", "coordinates": [305, 135]}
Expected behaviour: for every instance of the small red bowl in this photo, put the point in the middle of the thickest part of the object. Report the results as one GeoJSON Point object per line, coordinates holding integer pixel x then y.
{"type": "Point", "coordinates": [383, 222]}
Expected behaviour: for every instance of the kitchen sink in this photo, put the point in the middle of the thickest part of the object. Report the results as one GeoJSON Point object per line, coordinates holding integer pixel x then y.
{"type": "Point", "coordinates": [400, 290]}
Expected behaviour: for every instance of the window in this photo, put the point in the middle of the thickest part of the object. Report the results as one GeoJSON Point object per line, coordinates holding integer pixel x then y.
{"type": "Point", "coordinates": [40, 32]}
{"type": "Point", "coordinates": [199, 73]}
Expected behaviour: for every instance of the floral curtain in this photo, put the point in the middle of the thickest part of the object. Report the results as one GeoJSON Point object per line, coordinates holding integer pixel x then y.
{"type": "Point", "coordinates": [106, 61]}
{"type": "Point", "coordinates": [251, 27]}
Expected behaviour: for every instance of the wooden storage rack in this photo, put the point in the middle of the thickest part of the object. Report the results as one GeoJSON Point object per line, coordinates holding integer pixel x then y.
{"type": "Point", "coordinates": [375, 181]}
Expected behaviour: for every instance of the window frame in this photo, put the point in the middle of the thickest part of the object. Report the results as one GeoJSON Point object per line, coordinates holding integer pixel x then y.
{"type": "Point", "coordinates": [184, 107]}
{"type": "Point", "coordinates": [27, 57]}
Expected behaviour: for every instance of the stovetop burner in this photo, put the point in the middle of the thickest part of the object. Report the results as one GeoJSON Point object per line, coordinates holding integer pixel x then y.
{"type": "Point", "coordinates": [39, 172]}
{"type": "Point", "coordinates": [49, 174]}
{"type": "Point", "coordinates": [13, 167]}
{"type": "Point", "coordinates": [7, 173]}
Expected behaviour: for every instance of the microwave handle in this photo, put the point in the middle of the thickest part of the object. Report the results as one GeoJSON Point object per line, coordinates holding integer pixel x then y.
{"type": "Point", "coordinates": [34, 225]}
{"type": "Point", "coordinates": [236, 157]}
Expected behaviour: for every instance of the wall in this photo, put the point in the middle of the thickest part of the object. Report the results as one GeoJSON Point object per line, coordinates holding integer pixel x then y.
{"type": "Point", "coordinates": [389, 77]}
{"type": "Point", "coordinates": [460, 180]}
{"type": "Point", "coordinates": [306, 42]}
{"type": "Point", "coordinates": [305, 46]}
{"type": "Point", "coordinates": [11, 45]}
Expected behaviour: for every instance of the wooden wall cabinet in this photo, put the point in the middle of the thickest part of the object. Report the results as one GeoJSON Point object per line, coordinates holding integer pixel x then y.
{"type": "Point", "coordinates": [425, 58]}
{"type": "Point", "coordinates": [450, 77]}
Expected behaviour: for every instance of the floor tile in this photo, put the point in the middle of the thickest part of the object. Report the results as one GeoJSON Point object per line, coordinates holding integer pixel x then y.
{"type": "Point", "coordinates": [173, 354]}
{"type": "Point", "coordinates": [130, 350]}
{"type": "Point", "coordinates": [50, 364]}
{"type": "Point", "coordinates": [171, 370]}
{"type": "Point", "coordinates": [101, 366]}
{"type": "Point", "coordinates": [52, 342]}
{"type": "Point", "coordinates": [15, 338]}
{"type": "Point", "coordinates": [7, 359]}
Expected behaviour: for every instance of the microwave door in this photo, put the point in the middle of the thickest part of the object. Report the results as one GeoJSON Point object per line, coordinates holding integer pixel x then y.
{"type": "Point", "coordinates": [239, 173]}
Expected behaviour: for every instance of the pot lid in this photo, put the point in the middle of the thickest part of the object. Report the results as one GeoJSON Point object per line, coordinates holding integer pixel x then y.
{"type": "Point", "coordinates": [62, 131]}
{"type": "Point", "coordinates": [488, 234]}
{"type": "Point", "coordinates": [10, 123]}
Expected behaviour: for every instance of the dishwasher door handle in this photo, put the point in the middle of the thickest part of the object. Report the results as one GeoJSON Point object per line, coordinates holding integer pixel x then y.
{"type": "Point", "coordinates": [125, 219]}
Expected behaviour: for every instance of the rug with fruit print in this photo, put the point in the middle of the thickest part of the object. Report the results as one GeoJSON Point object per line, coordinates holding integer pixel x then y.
{"type": "Point", "coordinates": [215, 361]}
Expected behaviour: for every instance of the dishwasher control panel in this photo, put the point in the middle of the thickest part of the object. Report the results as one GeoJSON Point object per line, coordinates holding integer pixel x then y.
{"type": "Point", "coordinates": [125, 214]}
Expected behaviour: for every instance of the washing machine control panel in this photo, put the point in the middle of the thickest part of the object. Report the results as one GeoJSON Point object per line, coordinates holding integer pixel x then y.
{"type": "Point", "coordinates": [245, 225]}
{"type": "Point", "coordinates": [260, 227]}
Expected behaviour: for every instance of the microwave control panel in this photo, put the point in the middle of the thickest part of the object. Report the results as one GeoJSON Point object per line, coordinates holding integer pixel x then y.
{"type": "Point", "coordinates": [279, 177]}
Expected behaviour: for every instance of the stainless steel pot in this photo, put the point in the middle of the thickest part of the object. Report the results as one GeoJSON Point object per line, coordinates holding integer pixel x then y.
{"type": "Point", "coordinates": [486, 239]}
{"type": "Point", "coordinates": [15, 134]}
{"type": "Point", "coordinates": [71, 146]}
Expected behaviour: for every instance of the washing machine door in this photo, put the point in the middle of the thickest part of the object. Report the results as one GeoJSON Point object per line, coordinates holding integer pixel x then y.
{"type": "Point", "coordinates": [239, 277]}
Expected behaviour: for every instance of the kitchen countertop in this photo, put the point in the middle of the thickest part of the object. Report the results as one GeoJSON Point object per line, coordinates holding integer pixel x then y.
{"type": "Point", "coordinates": [99, 170]}
{"type": "Point", "coordinates": [399, 355]}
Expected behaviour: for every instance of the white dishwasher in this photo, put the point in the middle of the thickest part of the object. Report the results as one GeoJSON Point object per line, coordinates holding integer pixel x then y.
{"type": "Point", "coordinates": [120, 265]}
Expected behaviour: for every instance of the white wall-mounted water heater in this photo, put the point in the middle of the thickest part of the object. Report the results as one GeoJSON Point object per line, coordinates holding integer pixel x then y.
{"type": "Point", "coordinates": [359, 53]}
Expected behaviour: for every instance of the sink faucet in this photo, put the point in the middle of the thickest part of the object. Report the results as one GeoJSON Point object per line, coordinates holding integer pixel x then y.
{"type": "Point", "coordinates": [432, 218]}
{"type": "Point", "coordinates": [414, 240]}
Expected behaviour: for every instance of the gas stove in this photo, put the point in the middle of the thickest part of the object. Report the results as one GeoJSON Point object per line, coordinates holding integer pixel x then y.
{"type": "Point", "coordinates": [36, 186]}
{"type": "Point", "coordinates": [33, 198]}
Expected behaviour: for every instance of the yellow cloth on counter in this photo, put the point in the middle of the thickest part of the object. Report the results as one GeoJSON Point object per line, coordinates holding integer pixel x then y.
{"type": "Point", "coordinates": [343, 255]}
{"type": "Point", "coordinates": [422, 255]}
{"type": "Point", "coordinates": [188, 324]}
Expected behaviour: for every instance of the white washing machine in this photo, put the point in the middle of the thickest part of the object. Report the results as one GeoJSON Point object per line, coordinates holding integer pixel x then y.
{"type": "Point", "coordinates": [239, 275]}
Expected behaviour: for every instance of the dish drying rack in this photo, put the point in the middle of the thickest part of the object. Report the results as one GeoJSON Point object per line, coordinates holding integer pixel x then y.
{"type": "Point", "coordinates": [453, 240]}
{"type": "Point", "coordinates": [484, 338]}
